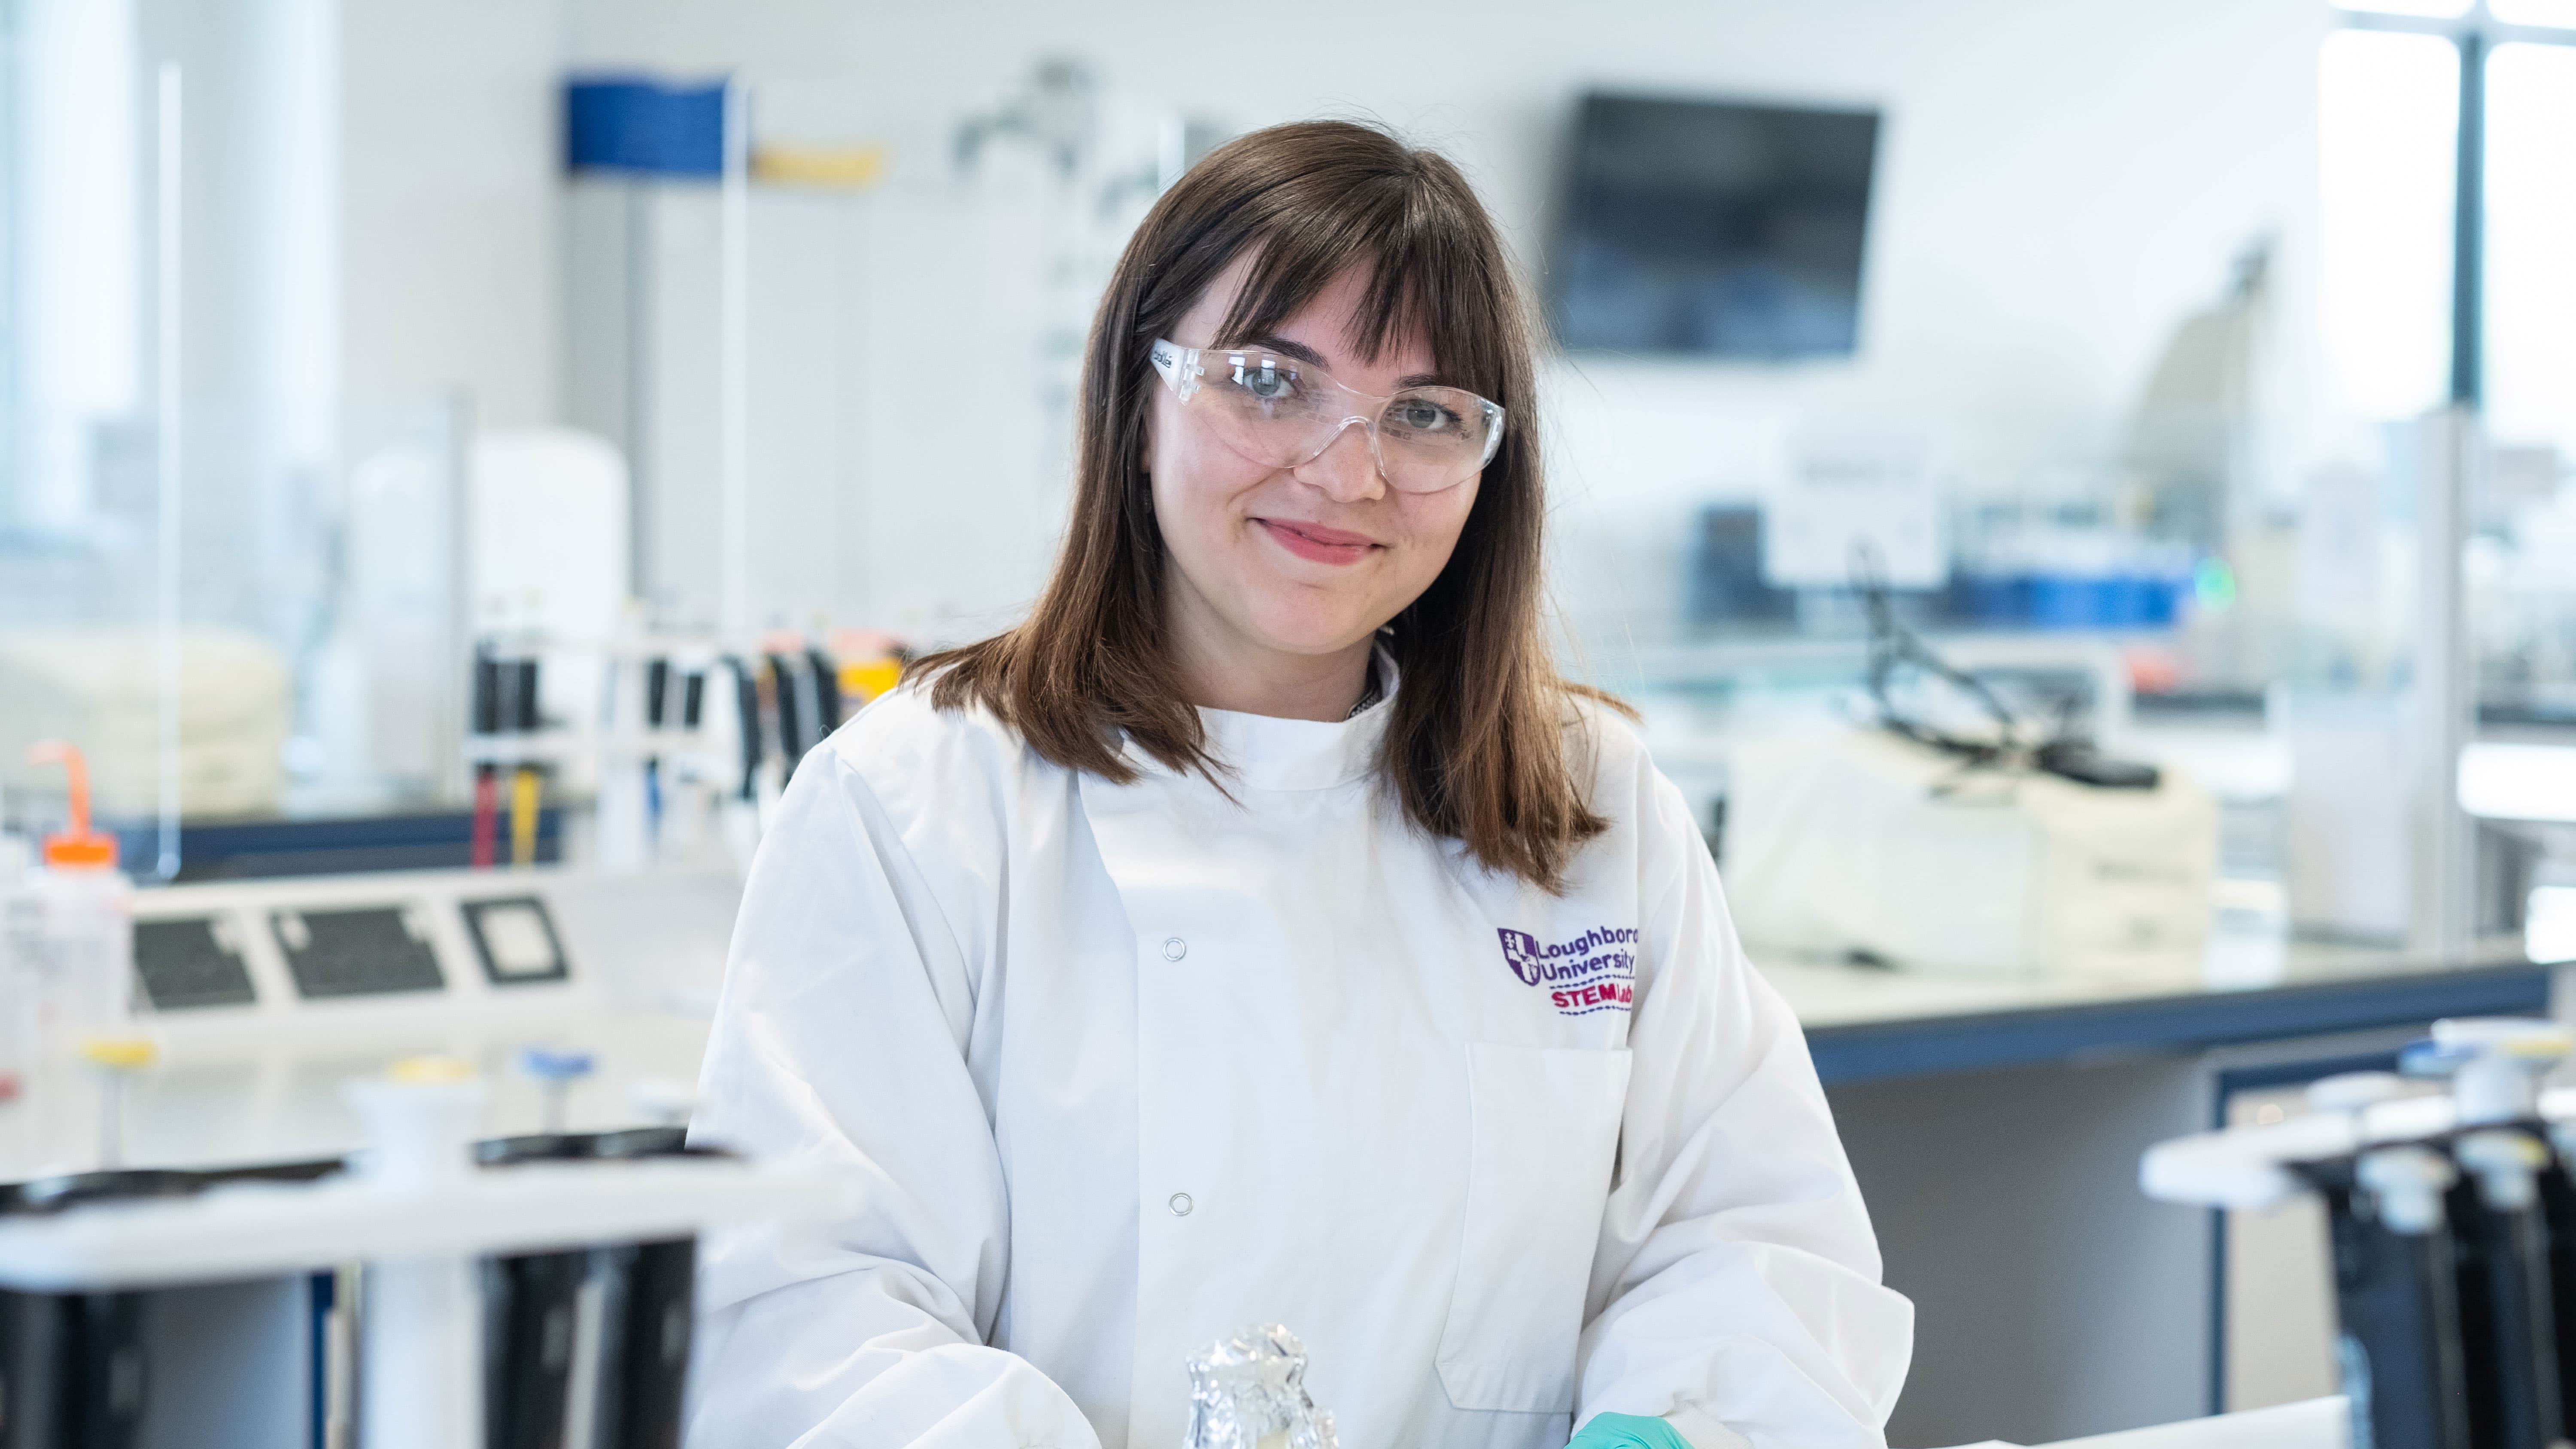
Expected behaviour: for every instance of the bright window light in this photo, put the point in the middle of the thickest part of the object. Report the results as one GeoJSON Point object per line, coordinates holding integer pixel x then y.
{"type": "Point", "coordinates": [2535, 12]}
{"type": "Point", "coordinates": [2531, 244]}
{"type": "Point", "coordinates": [2549, 924]}
{"type": "Point", "coordinates": [2438, 9]}
{"type": "Point", "coordinates": [81, 248]}
{"type": "Point", "coordinates": [2388, 134]}
{"type": "Point", "coordinates": [2500, 781]}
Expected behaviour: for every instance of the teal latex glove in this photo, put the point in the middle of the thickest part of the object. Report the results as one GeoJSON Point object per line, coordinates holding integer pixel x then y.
{"type": "Point", "coordinates": [1628, 1431]}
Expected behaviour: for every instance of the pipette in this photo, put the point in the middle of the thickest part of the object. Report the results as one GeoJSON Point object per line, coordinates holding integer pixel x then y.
{"type": "Point", "coordinates": [657, 695]}
{"type": "Point", "coordinates": [2396, 1276]}
{"type": "Point", "coordinates": [2508, 1309]}
{"type": "Point", "coordinates": [746, 703]}
{"type": "Point", "coordinates": [792, 738]}
{"type": "Point", "coordinates": [827, 692]}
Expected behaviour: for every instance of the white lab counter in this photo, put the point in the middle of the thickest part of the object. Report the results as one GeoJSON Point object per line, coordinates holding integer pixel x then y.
{"type": "Point", "coordinates": [2250, 986]}
{"type": "Point", "coordinates": [2311, 1424]}
{"type": "Point", "coordinates": [1995, 1125]}
{"type": "Point", "coordinates": [282, 1102]}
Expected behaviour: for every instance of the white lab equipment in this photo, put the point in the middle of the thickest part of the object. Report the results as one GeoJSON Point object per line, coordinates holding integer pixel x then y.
{"type": "Point", "coordinates": [21, 931]}
{"type": "Point", "coordinates": [550, 555]}
{"type": "Point", "coordinates": [103, 686]}
{"type": "Point", "coordinates": [260, 993]}
{"type": "Point", "coordinates": [1855, 493]}
{"type": "Point", "coordinates": [239, 1300]}
{"type": "Point", "coordinates": [85, 925]}
{"type": "Point", "coordinates": [1854, 842]}
{"type": "Point", "coordinates": [80, 993]}
{"type": "Point", "coordinates": [688, 742]}
{"type": "Point", "coordinates": [161, 1310]}
{"type": "Point", "coordinates": [1325, 1072]}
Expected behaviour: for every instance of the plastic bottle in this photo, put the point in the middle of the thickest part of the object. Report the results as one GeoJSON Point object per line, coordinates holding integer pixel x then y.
{"type": "Point", "coordinates": [84, 908]}
{"type": "Point", "coordinates": [21, 940]}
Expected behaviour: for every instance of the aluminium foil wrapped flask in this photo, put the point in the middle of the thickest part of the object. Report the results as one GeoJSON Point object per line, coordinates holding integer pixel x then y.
{"type": "Point", "coordinates": [1248, 1391]}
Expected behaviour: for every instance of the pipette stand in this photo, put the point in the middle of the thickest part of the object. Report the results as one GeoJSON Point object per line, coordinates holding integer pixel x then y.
{"type": "Point", "coordinates": [185, 1309]}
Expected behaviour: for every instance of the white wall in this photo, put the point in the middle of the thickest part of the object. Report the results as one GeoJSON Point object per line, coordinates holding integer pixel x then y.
{"type": "Point", "coordinates": [450, 165]}
{"type": "Point", "coordinates": [2060, 183]}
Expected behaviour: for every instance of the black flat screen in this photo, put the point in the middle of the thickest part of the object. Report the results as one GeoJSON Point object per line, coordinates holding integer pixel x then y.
{"type": "Point", "coordinates": [1714, 228]}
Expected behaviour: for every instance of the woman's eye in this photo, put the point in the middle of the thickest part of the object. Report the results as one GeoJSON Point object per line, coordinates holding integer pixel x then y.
{"type": "Point", "coordinates": [1423, 417]}
{"type": "Point", "coordinates": [1266, 382]}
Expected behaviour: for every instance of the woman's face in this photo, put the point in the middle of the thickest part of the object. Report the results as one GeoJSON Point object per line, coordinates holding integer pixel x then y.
{"type": "Point", "coordinates": [1302, 561]}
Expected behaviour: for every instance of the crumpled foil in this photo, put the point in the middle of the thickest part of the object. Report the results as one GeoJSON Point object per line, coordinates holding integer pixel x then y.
{"type": "Point", "coordinates": [1250, 1386]}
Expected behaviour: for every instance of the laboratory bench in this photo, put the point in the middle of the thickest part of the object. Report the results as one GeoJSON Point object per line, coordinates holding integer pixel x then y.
{"type": "Point", "coordinates": [1867, 1023]}
{"type": "Point", "coordinates": [1996, 1126]}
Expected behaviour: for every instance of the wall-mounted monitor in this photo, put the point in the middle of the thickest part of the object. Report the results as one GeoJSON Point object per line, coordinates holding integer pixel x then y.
{"type": "Point", "coordinates": [1713, 228]}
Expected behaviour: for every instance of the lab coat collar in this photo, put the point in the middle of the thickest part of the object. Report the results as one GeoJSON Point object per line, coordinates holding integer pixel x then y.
{"type": "Point", "coordinates": [1263, 752]}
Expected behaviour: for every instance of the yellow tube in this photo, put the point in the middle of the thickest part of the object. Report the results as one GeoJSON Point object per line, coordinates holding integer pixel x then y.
{"type": "Point", "coordinates": [523, 817]}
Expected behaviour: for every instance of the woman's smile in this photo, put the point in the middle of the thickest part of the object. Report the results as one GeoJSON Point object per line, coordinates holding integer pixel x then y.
{"type": "Point", "coordinates": [1316, 542]}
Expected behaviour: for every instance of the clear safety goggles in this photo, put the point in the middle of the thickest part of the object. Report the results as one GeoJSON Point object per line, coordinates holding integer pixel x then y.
{"type": "Point", "coordinates": [1282, 412]}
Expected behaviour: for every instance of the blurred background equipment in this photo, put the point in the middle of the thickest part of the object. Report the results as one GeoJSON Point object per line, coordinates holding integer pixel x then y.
{"type": "Point", "coordinates": [1876, 849]}
{"type": "Point", "coordinates": [103, 686]}
{"type": "Point", "coordinates": [2002, 843]}
{"type": "Point", "coordinates": [2449, 1218]}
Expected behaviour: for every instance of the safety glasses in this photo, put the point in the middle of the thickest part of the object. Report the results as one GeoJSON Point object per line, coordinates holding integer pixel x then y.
{"type": "Point", "coordinates": [1282, 412]}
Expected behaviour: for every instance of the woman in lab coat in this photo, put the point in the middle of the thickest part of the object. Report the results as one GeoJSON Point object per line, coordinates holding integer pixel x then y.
{"type": "Point", "coordinates": [1263, 932]}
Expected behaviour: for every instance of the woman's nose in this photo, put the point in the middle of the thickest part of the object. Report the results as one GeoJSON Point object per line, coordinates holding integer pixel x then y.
{"type": "Point", "coordinates": [1346, 471]}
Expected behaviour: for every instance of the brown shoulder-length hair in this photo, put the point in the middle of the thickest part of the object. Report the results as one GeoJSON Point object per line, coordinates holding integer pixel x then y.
{"type": "Point", "coordinates": [1479, 747]}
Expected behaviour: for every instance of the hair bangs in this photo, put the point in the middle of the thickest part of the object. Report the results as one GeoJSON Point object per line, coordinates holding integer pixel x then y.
{"type": "Point", "coordinates": [1409, 246]}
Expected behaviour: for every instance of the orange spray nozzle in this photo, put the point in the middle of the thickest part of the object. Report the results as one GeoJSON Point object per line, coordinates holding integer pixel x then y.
{"type": "Point", "coordinates": [76, 847]}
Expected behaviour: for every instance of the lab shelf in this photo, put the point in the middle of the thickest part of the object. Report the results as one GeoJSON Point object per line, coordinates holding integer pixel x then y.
{"type": "Point", "coordinates": [2181, 1022]}
{"type": "Point", "coordinates": [259, 849]}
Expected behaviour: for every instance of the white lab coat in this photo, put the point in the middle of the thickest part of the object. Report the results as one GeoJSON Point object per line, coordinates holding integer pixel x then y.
{"type": "Point", "coordinates": [1125, 1069]}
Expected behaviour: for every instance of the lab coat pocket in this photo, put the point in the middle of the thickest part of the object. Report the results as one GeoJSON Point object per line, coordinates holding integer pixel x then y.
{"type": "Point", "coordinates": [1546, 1129]}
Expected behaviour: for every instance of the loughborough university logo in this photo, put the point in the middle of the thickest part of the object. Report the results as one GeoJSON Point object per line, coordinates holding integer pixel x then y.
{"type": "Point", "coordinates": [1596, 971]}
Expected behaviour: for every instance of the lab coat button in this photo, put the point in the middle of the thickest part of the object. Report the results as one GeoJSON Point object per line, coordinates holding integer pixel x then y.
{"type": "Point", "coordinates": [1181, 1204]}
{"type": "Point", "coordinates": [1174, 949]}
